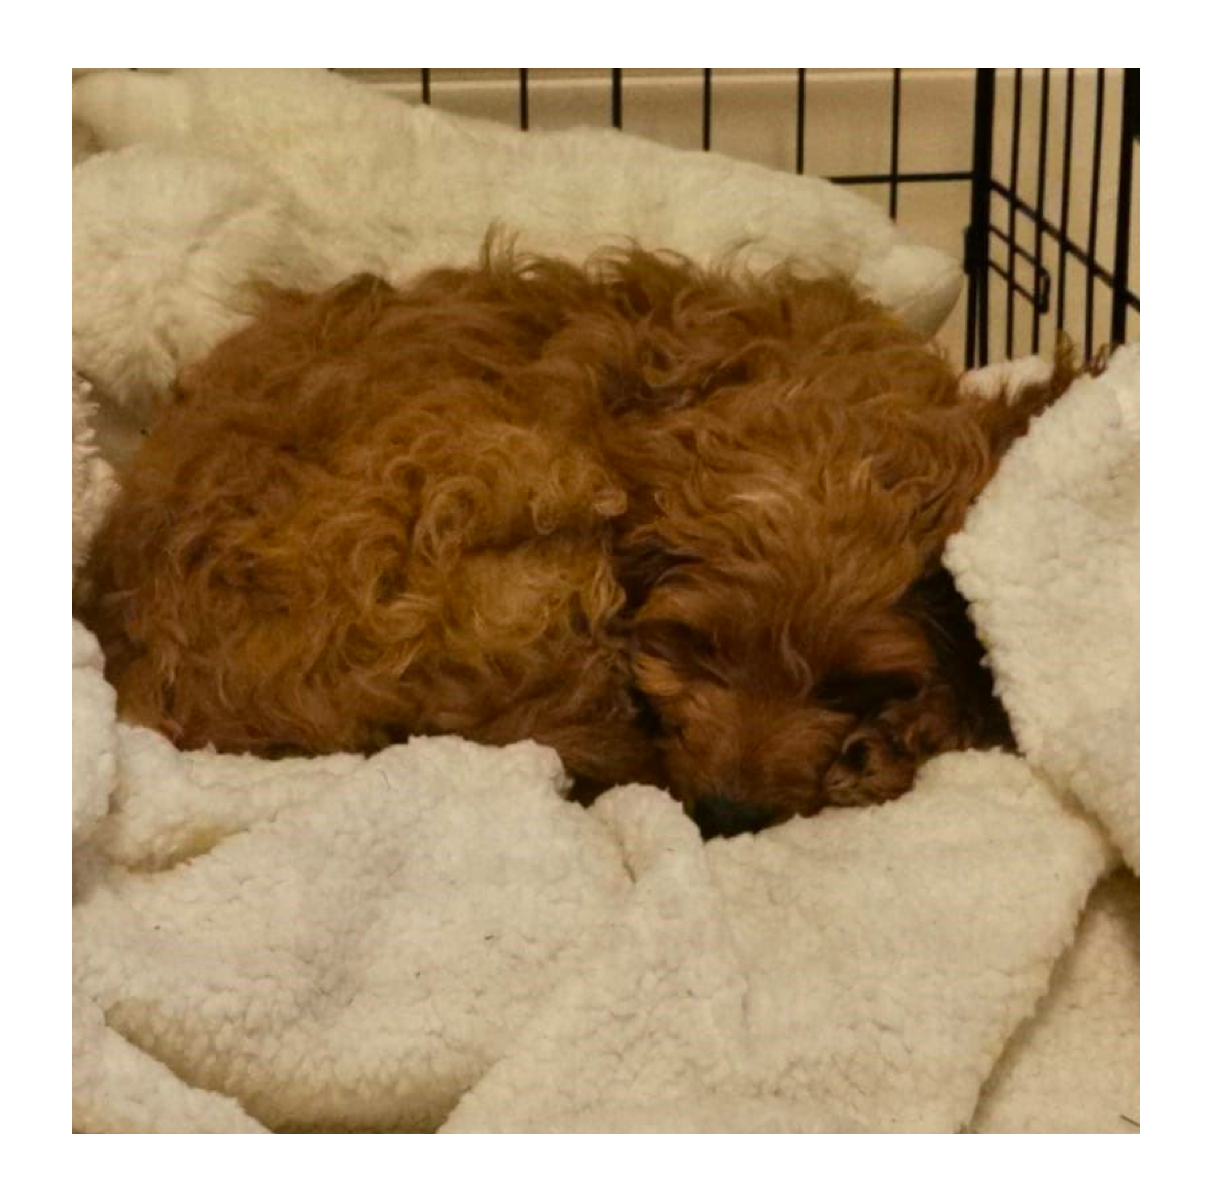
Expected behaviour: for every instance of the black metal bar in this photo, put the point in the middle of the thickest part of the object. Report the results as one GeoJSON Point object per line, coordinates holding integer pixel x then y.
{"type": "Point", "coordinates": [1129, 135]}
{"type": "Point", "coordinates": [1095, 179]}
{"type": "Point", "coordinates": [1063, 232]}
{"type": "Point", "coordinates": [1041, 179]}
{"type": "Point", "coordinates": [906, 177]}
{"type": "Point", "coordinates": [425, 84]}
{"type": "Point", "coordinates": [1068, 245]}
{"type": "Point", "coordinates": [1015, 134]}
{"type": "Point", "coordinates": [896, 141]}
{"type": "Point", "coordinates": [1035, 263]}
{"type": "Point", "coordinates": [801, 112]}
{"type": "Point", "coordinates": [1015, 286]}
{"type": "Point", "coordinates": [523, 98]}
{"type": "Point", "coordinates": [706, 108]}
{"type": "Point", "coordinates": [616, 97]}
{"type": "Point", "coordinates": [976, 236]}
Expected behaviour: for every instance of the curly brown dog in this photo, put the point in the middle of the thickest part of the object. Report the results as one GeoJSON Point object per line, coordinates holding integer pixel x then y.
{"type": "Point", "coordinates": [681, 524]}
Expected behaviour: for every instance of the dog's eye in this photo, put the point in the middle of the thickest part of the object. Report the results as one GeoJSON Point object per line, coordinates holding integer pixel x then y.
{"type": "Point", "coordinates": [862, 694]}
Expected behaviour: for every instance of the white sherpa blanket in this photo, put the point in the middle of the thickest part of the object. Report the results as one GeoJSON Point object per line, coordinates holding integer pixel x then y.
{"type": "Point", "coordinates": [1072, 679]}
{"type": "Point", "coordinates": [92, 476]}
{"type": "Point", "coordinates": [433, 938]}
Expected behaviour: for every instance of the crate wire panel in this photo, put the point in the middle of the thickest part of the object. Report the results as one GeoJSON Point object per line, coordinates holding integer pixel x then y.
{"type": "Point", "coordinates": [1032, 176]}
{"type": "Point", "coordinates": [1054, 231]}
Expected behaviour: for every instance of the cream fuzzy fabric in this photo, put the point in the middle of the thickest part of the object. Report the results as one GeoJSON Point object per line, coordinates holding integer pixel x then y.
{"type": "Point", "coordinates": [166, 246]}
{"type": "Point", "coordinates": [1070, 578]}
{"type": "Point", "coordinates": [361, 945]}
{"type": "Point", "coordinates": [1075, 1067]}
{"type": "Point", "coordinates": [93, 484]}
{"type": "Point", "coordinates": [303, 177]}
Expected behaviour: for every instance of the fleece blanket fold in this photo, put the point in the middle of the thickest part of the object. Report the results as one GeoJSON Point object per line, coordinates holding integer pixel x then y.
{"type": "Point", "coordinates": [434, 938]}
{"type": "Point", "coordinates": [1071, 574]}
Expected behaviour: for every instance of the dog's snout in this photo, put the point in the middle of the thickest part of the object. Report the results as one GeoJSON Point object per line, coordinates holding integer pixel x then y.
{"type": "Point", "coordinates": [721, 816]}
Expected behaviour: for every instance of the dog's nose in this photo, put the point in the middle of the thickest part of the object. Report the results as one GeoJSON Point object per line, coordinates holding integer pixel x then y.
{"type": "Point", "coordinates": [720, 816]}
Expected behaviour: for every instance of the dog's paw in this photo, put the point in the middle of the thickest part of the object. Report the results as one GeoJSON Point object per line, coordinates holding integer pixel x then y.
{"type": "Point", "coordinates": [879, 759]}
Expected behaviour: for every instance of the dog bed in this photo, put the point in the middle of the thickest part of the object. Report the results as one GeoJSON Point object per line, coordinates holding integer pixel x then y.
{"type": "Point", "coordinates": [433, 938]}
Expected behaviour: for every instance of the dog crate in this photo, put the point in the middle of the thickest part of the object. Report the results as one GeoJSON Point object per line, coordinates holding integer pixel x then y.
{"type": "Point", "coordinates": [1031, 177]}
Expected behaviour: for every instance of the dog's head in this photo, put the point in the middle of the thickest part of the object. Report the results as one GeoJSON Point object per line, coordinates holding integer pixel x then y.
{"type": "Point", "coordinates": [784, 637]}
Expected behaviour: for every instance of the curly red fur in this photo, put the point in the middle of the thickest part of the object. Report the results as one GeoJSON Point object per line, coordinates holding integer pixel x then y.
{"type": "Point", "coordinates": [533, 500]}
